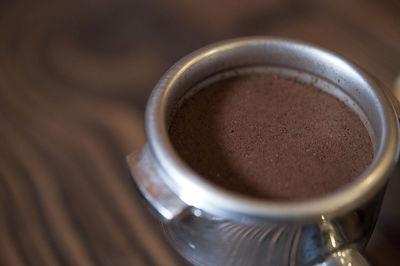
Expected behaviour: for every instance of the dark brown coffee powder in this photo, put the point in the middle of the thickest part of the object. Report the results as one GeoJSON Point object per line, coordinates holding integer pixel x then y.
{"type": "Point", "coordinates": [271, 137]}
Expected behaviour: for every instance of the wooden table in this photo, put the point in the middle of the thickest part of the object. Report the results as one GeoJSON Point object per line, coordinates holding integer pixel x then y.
{"type": "Point", "coordinates": [74, 77]}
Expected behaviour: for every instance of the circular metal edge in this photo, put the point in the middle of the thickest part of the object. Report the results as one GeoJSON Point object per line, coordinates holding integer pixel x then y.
{"type": "Point", "coordinates": [199, 193]}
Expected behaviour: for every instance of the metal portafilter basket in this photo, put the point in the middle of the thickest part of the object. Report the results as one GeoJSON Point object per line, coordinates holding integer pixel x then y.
{"type": "Point", "coordinates": [212, 226]}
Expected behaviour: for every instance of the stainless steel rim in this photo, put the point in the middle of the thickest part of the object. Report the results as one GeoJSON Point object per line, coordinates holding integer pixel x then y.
{"type": "Point", "coordinates": [197, 192]}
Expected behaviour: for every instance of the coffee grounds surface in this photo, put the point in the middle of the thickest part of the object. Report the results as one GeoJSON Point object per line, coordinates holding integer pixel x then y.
{"type": "Point", "coordinates": [271, 137]}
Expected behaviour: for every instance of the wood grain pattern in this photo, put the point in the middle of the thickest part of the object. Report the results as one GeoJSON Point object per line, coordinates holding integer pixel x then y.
{"type": "Point", "coordinates": [74, 78]}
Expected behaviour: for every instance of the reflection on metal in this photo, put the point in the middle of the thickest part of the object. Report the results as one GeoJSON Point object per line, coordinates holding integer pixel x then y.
{"type": "Point", "coordinates": [156, 192]}
{"type": "Point", "coordinates": [346, 257]}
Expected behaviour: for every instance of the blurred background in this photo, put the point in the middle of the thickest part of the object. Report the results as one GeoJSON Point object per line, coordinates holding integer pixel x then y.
{"type": "Point", "coordinates": [74, 79]}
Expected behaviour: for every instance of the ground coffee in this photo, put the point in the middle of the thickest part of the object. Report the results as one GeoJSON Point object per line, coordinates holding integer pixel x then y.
{"type": "Point", "coordinates": [272, 137]}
